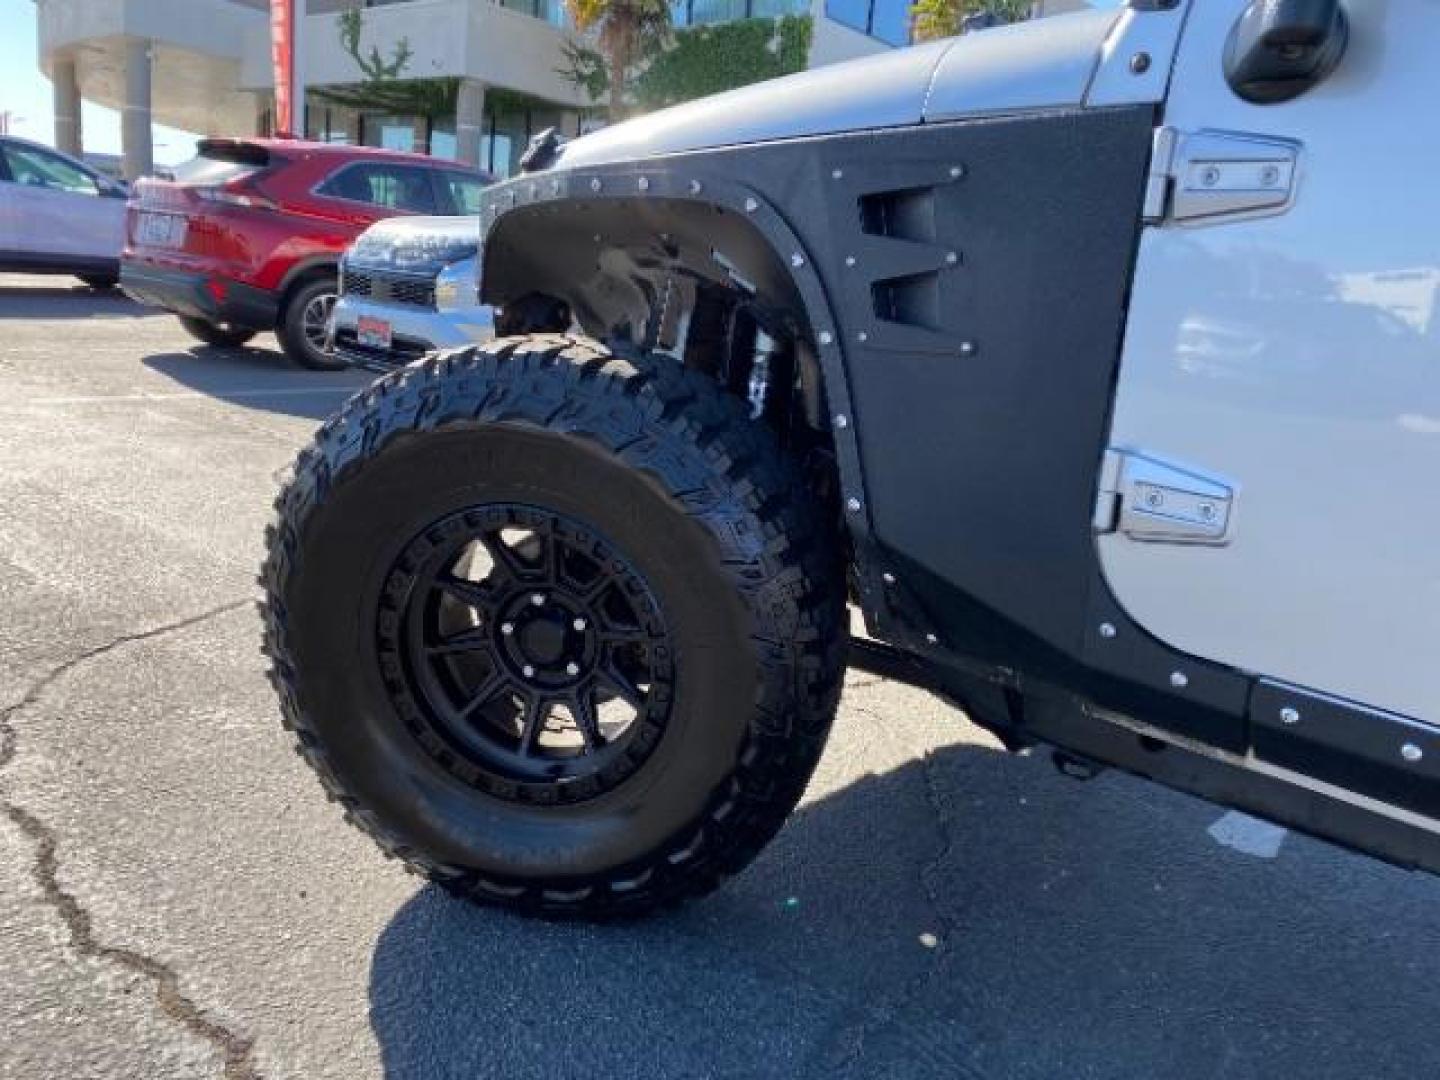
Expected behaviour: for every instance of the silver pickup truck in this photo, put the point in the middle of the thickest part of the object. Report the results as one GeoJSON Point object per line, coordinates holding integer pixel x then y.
{"type": "Point", "coordinates": [407, 286]}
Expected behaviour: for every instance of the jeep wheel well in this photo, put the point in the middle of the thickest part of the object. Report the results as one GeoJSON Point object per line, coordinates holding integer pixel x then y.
{"type": "Point", "coordinates": [684, 278]}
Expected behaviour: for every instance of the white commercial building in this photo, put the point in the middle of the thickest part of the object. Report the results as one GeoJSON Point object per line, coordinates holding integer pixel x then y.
{"type": "Point", "coordinates": [204, 65]}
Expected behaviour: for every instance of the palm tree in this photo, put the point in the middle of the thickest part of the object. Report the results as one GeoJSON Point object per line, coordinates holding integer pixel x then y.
{"type": "Point", "coordinates": [626, 29]}
{"type": "Point", "coordinates": [932, 19]}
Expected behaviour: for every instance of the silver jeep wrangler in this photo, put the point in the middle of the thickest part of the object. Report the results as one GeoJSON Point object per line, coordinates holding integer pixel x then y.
{"type": "Point", "coordinates": [1093, 359]}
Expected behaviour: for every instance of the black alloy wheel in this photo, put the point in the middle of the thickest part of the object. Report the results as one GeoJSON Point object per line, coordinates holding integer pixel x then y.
{"type": "Point", "coordinates": [536, 653]}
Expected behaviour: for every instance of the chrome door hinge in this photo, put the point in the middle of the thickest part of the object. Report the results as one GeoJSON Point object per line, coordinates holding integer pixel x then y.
{"type": "Point", "coordinates": [1210, 174]}
{"type": "Point", "coordinates": [1150, 499]}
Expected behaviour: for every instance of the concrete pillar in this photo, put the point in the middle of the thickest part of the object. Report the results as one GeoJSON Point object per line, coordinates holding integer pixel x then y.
{"type": "Point", "coordinates": [469, 121]}
{"type": "Point", "coordinates": [136, 138]}
{"type": "Point", "coordinates": [69, 138]}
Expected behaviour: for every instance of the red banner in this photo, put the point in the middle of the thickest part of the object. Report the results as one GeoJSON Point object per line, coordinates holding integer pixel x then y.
{"type": "Point", "coordinates": [282, 55]}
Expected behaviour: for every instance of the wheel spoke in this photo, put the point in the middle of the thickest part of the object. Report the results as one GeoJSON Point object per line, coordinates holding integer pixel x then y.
{"type": "Point", "coordinates": [488, 690]}
{"type": "Point", "coordinates": [592, 592]}
{"type": "Point", "coordinates": [504, 558]}
{"type": "Point", "coordinates": [587, 718]}
{"type": "Point", "coordinates": [476, 639]}
{"type": "Point", "coordinates": [472, 594]}
{"type": "Point", "coordinates": [552, 555]}
{"type": "Point", "coordinates": [624, 635]}
{"type": "Point", "coordinates": [532, 721]}
{"type": "Point", "coordinates": [610, 674]}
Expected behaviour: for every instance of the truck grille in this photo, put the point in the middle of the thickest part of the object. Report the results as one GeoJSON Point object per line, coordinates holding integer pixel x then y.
{"type": "Point", "coordinates": [386, 287]}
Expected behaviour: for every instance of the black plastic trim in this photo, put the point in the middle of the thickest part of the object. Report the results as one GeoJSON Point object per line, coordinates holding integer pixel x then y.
{"type": "Point", "coordinates": [185, 293]}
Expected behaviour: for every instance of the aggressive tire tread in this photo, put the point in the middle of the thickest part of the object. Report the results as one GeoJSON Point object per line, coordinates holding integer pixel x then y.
{"type": "Point", "coordinates": [775, 540]}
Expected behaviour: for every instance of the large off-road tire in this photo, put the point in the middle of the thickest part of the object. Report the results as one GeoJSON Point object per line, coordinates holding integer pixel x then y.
{"type": "Point", "coordinates": [302, 324]}
{"type": "Point", "coordinates": [540, 517]}
{"type": "Point", "coordinates": [217, 334]}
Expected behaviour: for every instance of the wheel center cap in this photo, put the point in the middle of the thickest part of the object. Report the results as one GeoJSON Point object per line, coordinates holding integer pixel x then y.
{"type": "Point", "coordinates": [543, 641]}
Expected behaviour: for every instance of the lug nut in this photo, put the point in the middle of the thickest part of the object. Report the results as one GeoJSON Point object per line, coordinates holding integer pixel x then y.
{"type": "Point", "coordinates": [528, 671]}
{"type": "Point", "coordinates": [580, 624]}
{"type": "Point", "coordinates": [507, 628]}
{"type": "Point", "coordinates": [538, 599]}
{"type": "Point", "coordinates": [572, 668]}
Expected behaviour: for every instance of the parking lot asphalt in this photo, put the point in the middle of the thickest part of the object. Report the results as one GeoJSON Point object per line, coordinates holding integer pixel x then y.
{"type": "Point", "coordinates": [177, 899]}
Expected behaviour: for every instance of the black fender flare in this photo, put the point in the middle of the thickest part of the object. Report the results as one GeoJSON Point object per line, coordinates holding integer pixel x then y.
{"type": "Point", "coordinates": [511, 212]}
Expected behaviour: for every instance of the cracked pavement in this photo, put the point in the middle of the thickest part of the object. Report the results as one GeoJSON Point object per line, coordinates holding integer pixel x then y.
{"type": "Point", "coordinates": [178, 900]}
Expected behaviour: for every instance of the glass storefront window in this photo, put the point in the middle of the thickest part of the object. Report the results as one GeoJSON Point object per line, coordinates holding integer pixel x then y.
{"type": "Point", "coordinates": [443, 144]}
{"type": "Point", "coordinates": [552, 11]}
{"type": "Point", "coordinates": [702, 12]}
{"type": "Point", "coordinates": [888, 20]}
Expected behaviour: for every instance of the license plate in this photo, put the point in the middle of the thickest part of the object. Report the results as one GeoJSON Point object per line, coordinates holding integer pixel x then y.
{"type": "Point", "coordinates": [373, 333]}
{"type": "Point", "coordinates": [160, 230]}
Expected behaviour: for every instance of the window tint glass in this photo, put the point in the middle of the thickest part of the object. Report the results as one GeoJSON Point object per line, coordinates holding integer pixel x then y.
{"type": "Point", "coordinates": [462, 192]}
{"type": "Point", "coordinates": [36, 168]}
{"type": "Point", "coordinates": [395, 187]}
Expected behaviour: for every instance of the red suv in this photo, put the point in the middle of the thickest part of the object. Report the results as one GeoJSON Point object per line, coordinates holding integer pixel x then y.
{"type": "Point", "coordinates": [248, 236]}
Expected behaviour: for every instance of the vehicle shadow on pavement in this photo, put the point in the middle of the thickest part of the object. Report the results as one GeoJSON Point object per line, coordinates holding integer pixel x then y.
{"type": "Point", "coordinates": [67, 302]}
{"type": "Point", "coordinates": [259, 379]}
{"type": "Point", "coordinates": [1080, 930]}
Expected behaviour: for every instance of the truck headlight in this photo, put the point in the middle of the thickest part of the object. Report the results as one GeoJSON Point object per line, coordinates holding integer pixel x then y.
{"type": "Point", "coordinates": [458, 286]}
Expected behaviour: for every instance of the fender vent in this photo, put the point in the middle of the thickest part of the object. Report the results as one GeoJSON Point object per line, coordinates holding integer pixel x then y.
{"type": "Point", "coordinates": [904, 295]}
{"type": "Point", "coordinates": [908, 214]}
{"type": "Point", "coordinates": [913, 300]}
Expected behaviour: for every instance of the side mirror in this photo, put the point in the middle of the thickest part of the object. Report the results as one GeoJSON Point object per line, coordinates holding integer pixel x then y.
{"type": "Point", "coordinates": [1279, 49]}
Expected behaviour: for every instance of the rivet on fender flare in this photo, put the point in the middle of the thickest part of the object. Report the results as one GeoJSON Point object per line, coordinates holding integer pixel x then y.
{"type": "Point", "coordinates": [852, 504]}
{"type": "Point", "coordinates": [751, 205]}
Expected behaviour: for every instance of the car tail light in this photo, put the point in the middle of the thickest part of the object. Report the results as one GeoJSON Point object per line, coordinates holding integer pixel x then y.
{"type": "Point", "coordinates": [236, 193]}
